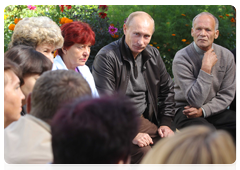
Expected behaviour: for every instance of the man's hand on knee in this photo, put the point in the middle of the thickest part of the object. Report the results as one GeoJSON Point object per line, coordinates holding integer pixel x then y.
{"type": "Point", "coordinates": [142, 139]}
{"type": "Point", "coordinates": [165, 131]}
{"type": "Point", "coordinates": [192, 112]}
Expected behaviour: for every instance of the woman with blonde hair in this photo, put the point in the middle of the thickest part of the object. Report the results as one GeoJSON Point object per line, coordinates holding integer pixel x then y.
{"type": "Point", "coordinates": [194, 145]}
{"type": "Point", "coordinates": [41, 33]}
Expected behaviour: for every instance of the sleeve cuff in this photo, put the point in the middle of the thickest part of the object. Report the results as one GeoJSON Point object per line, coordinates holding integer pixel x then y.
{"type": "Point", "coordinates": [166, 121]}
{"type": "Point", "coordinates": [205, 77]}
{"type": "Point", "coordinates": [206, 111]}
{"type": "Point", "coordinates": [204, 114]}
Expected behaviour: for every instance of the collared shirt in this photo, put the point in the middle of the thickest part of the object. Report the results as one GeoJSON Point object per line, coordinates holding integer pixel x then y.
{"type": "Point", "coordinates": [199, 50]}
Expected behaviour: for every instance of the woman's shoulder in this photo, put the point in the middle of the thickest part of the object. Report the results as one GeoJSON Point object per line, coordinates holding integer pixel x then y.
{"type": "Point", "coordinates": [84, 68]}
{"type": "Point", "coordinates": [85, 71]}
{"type": "Point", "coordinates": [58, 63]}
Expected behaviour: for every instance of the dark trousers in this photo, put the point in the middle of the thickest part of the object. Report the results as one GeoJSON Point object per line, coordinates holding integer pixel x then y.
{"type": "Point", "coordinates": [150, 128]}
{"type": "Point", "coordinates": [225, 120]}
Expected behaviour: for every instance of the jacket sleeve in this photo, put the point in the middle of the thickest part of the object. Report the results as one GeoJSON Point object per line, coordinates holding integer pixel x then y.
{"type": "Point", "coordinates": [166, 103]}
{"type": "Point", "coordinates": [103, 72]}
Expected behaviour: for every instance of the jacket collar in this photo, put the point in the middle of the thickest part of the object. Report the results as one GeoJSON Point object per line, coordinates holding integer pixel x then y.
{"type": "Point", "coordinates": [123, 49]}
{"type": "Point", "coordinates": [146, 53]}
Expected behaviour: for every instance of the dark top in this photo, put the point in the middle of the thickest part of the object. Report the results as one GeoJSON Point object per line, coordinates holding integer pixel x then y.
{"type": "Point", "coordinates": [111, 71]}
{"type": "Point", "coordinates": [136, 88]}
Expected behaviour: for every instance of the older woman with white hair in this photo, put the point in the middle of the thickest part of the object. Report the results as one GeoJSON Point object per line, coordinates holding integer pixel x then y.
{"type": "Point", "coordinates": [42, 33]}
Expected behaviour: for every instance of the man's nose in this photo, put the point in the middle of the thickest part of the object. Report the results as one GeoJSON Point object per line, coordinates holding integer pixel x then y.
{"type": "Point", "coordinates": [140, 41]}
{"type": "Point", "coordinates": [203, 32]}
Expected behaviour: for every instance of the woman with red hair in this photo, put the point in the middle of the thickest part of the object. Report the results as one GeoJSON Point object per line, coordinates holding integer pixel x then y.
{"type": "Point", "coordinates": [78, 39]}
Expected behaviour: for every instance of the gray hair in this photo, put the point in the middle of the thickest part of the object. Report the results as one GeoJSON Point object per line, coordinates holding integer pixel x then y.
{"type": "Point", "coordinates": [207, 13]}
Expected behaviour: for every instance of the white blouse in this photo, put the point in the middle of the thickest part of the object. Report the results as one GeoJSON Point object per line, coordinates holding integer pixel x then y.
{"type": "Point", "coordinates": [58, 64]}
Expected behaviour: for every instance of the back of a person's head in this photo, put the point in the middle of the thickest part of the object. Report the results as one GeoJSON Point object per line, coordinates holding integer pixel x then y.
{"type": "Point", "coordinates": [94, 131]}
{"type": "Point", "coordinates": [29, 60]}
{"type": "Point", "coordinates": [194, 145]}
{"type": "Point", "coordinates": [54, 88]}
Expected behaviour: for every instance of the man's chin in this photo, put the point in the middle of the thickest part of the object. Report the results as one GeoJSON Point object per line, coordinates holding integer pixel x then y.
{"type": "Point", "coordinates": [202, 44]}
{"type": "Point", "coordinates": [203, 47]}
{"type": "Point", "coordinates": [138, 50]}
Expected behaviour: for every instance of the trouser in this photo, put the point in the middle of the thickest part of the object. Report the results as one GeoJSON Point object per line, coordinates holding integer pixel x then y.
{"type": "Point", "coordinates": [225, 120]}
{"type": "Point", "coordinates": [145, 126]}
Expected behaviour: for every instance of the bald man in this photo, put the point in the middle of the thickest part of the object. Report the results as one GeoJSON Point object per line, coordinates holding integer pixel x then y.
{"type": "Point", "coordinates": [205, 79]}
{"type": "Point", "coordinates": [132, 67]}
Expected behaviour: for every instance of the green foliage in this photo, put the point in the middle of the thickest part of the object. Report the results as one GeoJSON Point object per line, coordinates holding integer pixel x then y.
{"type": "Point", "coordinates": [85, 13]}
{"type": "Point", "coordinates": [172, 23]}
{"type": "Point", "coordinates": [177, 20]}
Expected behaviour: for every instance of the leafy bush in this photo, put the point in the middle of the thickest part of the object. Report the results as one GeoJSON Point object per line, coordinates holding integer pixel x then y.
{"type": "Point", "coordinates": [62, 14]}
{"type": "Point", "coordinates": [172, 23]}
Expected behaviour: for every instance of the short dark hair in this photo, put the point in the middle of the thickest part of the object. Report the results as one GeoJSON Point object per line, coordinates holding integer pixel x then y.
{"type": "Point", "coordinates": [29, 60]}
{"type": "Point", "coordinates": [53, 88]}
{"type": "Point", "coordinates": [94, 131]}
{"type": "Point", "coordinates": [10, 65]}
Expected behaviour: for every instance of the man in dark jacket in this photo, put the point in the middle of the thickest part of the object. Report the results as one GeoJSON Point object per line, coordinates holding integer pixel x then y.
{"type": "Point", "coordinates": [131, 66]}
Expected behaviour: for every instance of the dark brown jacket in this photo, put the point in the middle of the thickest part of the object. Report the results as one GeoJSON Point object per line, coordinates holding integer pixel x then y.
{"type": "Point", "coordinates": [111, 72]}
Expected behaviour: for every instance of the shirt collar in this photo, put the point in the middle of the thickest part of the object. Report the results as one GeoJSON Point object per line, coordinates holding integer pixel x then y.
{"type": "Point", "coordinates": [199, 50]}
{"type": "Point", "coordinates": [130, 52]}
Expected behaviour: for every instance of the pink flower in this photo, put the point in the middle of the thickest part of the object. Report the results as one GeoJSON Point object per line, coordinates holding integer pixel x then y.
{"type": "Point", "coordinates": [31, 7]}
{"type": "Point", "coordinates": [112, 30]}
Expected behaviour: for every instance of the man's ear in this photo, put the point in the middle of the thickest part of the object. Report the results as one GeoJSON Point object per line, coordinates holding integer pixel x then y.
{"type": "Point", "coordinates": [124, 28]}
{"type": "Point", "coordinates": [192, 32]}
{"type": "Point", "coordinates": [216, 34]}
{"type": "Point", "coordinates": [29, 103]}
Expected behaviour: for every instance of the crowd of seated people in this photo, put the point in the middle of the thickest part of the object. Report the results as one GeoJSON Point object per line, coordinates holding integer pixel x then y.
{"type": "Point", "coordinates": [127, 110]}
